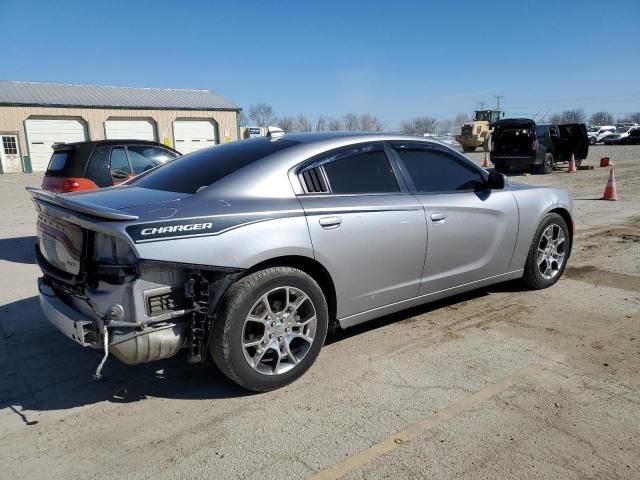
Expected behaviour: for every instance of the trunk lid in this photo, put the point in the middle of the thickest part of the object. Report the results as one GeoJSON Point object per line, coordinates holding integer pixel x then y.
{"type": "Point", "coordinates": [514, 137]}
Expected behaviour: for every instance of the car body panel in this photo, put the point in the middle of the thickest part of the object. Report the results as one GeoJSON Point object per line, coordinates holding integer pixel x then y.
{"type": "Point", "coordinates": [382, 252]}
{"type": "Point", "coordinates": [480, 227]}
{"type": "Point", "coordinates": [375, 253]}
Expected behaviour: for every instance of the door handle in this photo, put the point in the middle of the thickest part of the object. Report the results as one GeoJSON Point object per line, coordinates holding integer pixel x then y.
{"type": "Point", "coordinates": [330, 222]}
{"type": "Point", "coordinates": [438, 217]}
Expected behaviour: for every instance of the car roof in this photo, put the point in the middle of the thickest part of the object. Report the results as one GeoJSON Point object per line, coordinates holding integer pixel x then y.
{"type": "Point", "coordinates": [110, 142]}
{"type": "Point", "coordinates": [352, 137]}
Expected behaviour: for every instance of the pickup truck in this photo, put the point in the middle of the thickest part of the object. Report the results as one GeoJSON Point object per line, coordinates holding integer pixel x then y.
{"type": "Point", "coordinates": [520, 143]}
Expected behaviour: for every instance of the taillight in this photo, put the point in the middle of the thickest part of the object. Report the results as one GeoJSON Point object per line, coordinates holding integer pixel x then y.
{"type": "Point", "coordinates": [70, 185]}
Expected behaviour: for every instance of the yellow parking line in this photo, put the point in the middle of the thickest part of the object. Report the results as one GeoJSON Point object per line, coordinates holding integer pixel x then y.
{"type": "Point", "coordinates": [392, 442]}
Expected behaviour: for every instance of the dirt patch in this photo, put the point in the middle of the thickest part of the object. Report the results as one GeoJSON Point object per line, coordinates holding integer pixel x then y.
{"type": "Point", "coordinates": [603, 278]}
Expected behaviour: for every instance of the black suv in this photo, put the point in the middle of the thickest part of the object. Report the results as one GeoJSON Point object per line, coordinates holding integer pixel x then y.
{"type": "Point", "coordinates": [519, 142]}
{"type": "Point", "coordinates": [101, 163]}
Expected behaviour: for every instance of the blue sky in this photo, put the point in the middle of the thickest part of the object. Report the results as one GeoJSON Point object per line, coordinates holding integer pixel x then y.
{"type": "Point", "coordinates": [395, 59]}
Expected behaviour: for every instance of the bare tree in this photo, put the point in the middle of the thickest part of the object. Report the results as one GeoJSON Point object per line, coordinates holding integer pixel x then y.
{"type": "Point", "coordinates": [445, 126]}
{"type": "Point", "coordinates": [261, 114]}
{"type": "Point", "coordinates": [635, 117]}
{"type": "Point", "coordinates": [303, 124]}
{"type": "Point", "coordinates": [601, 118]}
{"type": "Point", "coordinates": [321, 126]}
{"type": "Point", "coordinates": [334, 124]}
{"type": "Point", "coordinates": [556, 118]}
{"type": "Point", "coordinates": [286, 123]}
{"type": "Point", "coordinates": [369, 123]}
{"type": "Point", "coordinates": [419, 125]}
{"type": "Point", "coordinates": [573, 116]}
{"type": "Point", "coordinates": [351, 122]}
{"type": "Point", "coordinates": [242, 119]}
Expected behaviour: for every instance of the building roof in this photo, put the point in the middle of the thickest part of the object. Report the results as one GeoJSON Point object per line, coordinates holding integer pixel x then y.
{"type": "Point", "coordinates": [71, 95]}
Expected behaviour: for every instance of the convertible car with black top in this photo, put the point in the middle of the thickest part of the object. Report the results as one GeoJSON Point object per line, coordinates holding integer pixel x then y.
{"type": "Point", "coordinates": [251, 252]}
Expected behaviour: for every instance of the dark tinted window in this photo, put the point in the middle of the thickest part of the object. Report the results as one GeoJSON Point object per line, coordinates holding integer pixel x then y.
{"type": "Point", "coordinates": [363, 172]}
{"type": "Point", "coordinates": [204, 167]}
{"type": "Point", "coordinates": [144, 157]}
{"type": "Point", "coordinates": [119, 160]}
{"type": "Point", "coordinates": [98, 168]}
{"type": "Point", "coordinates": [57, 162]}
{"type": "Point", "coordinates": [438, 171]}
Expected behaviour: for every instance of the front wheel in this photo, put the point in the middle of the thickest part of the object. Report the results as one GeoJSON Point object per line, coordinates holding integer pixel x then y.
{"type": "Point", "coordinates": [270, 329]}
{"type": "Point", "coordinates": [548, 252]}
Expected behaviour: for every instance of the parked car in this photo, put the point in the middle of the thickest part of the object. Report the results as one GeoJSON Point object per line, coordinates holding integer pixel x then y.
{"type": "Point", "coordinates": [519, 142]}
{"type": "Point", "coordinates": [597, 134]}
{"type": "Point", "coordinates": [104, 163]}
{"type": "Point", "coordinates": [634, 137]}
{"type": "Point", "coordinates": [622, 135]}
{"type": "Point", "coordinates": [251, 251]}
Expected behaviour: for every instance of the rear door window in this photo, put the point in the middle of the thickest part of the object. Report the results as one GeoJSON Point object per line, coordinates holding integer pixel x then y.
{"type": "Point", "coordinates": [362, 170]}
{"type": "Point", "coordinates": [436, 171]}
{"type": "Point", "coordinates": [98, 167]}
{"type": "Point", "coordinates": [145, 157]}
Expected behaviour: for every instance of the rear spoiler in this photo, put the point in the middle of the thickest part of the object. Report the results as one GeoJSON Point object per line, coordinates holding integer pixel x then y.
{"type": "Point", "coordinates": [78, 206]}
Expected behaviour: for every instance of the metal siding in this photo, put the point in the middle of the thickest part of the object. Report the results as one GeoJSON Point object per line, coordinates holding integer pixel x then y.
{"type": "Point", "coordinates": [54, 94]}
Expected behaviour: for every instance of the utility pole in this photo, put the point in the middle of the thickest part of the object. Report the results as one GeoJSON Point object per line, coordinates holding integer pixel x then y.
{"type": "Point", "coordinates": [498, 97]}
{"type": "Point", "coordinates": [481, 105]}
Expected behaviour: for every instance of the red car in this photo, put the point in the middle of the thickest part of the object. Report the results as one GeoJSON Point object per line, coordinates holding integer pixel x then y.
{"type": "Point", "coordinates": [101, 163]}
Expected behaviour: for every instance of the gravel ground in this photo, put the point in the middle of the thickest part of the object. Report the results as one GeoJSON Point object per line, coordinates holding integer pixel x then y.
{"type": "Point", "coordinates": [498, 383]}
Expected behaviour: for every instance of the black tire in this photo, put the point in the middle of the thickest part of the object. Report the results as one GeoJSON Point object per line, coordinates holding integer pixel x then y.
{"type": "Point", "coordinates": [532, 277]}
{"type": "Point", "coordinates": [578, 162]}
{"type": "Point", "coordinates": [226, 343]}
{"type": "Point", "coordinates": [592, 140]}
{"type": "Point", "coordinates": [547, 165]}
{"type": "Point", "coordinates": [501, 167]}
{"type": "Point", "coordinates": [468, 149]}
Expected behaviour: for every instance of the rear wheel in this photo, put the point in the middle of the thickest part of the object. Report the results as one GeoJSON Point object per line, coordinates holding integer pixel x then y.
{"type": "Point", "coordinates": [547, 164]}
{"type": "Point", "coordinates": [548, 252]}
{"type": "Point", "coordinates": [592, 140]}
{"type": "Point", "coordinates": [271, 328]}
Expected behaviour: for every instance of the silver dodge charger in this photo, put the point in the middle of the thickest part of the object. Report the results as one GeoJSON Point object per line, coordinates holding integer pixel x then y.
{"type": "Point", "coordinates": [250, 252]}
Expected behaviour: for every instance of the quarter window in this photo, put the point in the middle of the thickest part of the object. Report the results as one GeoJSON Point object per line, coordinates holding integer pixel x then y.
{"type": "Point", "coordinates": [365, 171]}
{"type": "Point", "coordinates": [119, 160]}
{"type": "Point", "coordinates": [437, 171]}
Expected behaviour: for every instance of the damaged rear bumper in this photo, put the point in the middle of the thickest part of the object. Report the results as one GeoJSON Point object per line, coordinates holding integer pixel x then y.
{"type": "Point", "coordinates": [129, 344]}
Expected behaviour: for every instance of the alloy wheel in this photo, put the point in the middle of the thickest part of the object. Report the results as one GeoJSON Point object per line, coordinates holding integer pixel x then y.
{"type": "Point", "coordinates": [279, 330]}
{"type": "Point", "coordinates": [551, 251]}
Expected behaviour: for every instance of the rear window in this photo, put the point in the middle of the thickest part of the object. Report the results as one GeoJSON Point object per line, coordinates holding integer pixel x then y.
{"type": "Point", "coordinates": [204, 167]}
{"type": "Point", "coordinates": [58, 160]}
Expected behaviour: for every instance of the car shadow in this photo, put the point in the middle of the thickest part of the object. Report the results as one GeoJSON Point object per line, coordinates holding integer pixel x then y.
{"type": "Point", "coordinates": [42, 370]}
{"type": "Point", "coordinates": [18, 249]}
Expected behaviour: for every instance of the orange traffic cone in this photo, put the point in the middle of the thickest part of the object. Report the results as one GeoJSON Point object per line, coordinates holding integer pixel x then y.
{"type": "Point", "coordinates": [486, 163]}
{"type": "Point", "coordinates": [572, 164]}
{"type": "Point", "coordinates": [610, 192]}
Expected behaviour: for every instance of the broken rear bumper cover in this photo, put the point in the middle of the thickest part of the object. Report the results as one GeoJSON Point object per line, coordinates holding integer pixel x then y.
{"type": "Point", "coordinates": [131, 344]}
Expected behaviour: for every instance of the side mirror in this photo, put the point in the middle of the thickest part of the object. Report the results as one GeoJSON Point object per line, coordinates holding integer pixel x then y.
{"type": "Point", "coordinates": [496, 181]}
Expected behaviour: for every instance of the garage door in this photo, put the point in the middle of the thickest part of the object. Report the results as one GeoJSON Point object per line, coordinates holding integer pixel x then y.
{"type": "Point", "coordinates": [130, 130]}
{"type": "Point", "coordinates": [42, 133]}
{"type": "Point", "coordinates": [192, 135]}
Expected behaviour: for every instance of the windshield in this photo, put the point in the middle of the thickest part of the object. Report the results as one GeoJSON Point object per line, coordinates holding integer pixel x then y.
{"type": "Point", "coordinates": [190, 173]}
{"type": "Point", "coordinates": [623, 129]}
